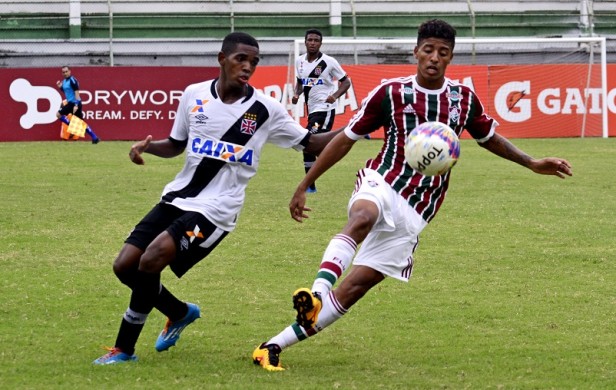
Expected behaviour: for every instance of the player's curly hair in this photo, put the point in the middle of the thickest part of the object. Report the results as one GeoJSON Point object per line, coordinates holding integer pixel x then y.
{"type": "Point", "coordinates": [436, 28]}
{"type": "Point", "coordinates": [313, 31]}
{"type": "Point", "coordinates": [235, 38]}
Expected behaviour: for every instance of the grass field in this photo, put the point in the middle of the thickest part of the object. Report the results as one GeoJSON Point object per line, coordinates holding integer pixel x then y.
{"type": "Point", "coordinates": [514, 285]}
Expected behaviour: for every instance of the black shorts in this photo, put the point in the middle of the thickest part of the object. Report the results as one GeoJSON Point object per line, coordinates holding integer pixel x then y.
{"type": "Point", "coordinates": [68, 109]}
{"type": "Point", "coordinates": [321, 121]}
{"type": "Point", "coordinates": [194, 235]}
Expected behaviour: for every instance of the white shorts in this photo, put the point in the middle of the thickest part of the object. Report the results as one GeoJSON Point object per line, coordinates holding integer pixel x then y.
{"type": "Point", "coordinates": [390, 245]}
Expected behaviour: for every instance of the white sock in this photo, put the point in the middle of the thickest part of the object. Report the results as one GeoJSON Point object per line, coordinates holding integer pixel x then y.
{"type": "Point", "coordinates": [331, 312]}
{"type": "Point", "coordinates": [287, 337]}
{"type": "Point", "coordinates": [336, 258]}
{"type": "Point", "coordinates": [132, 317]}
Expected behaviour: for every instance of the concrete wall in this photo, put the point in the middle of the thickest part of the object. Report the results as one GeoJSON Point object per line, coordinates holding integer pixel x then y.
{"type": "Point", "coordinates": [46, 19]}
{"type": "Point", "coordinates": [36, 33]}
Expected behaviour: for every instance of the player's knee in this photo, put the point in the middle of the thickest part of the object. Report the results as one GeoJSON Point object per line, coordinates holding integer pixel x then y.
{"type": "Point", "coordinates": [126, 276]}
{"type": "Point", "coordinates": [360, 223]}
{"type": "Point", "coordinates": [359, 281]}
{"type": "Point", "coordinates": [156, 258]}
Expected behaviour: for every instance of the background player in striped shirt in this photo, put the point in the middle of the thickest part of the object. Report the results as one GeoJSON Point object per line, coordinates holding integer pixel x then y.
{"type": "Point", "coordinates": [391, 203]}
{"type": "Point", "coordinates": [322, 81]}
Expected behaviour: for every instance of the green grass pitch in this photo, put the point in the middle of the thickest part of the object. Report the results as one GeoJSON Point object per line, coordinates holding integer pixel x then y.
{"type": "Point", "coordinates": [514, 285]}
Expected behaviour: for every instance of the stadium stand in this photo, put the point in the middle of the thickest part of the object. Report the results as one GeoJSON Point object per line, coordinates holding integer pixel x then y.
{"type": "Point", "coordinates": [153, 32]}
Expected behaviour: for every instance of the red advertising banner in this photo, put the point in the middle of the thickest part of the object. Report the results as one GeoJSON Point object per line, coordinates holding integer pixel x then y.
{"type": "Point", "coordinates": [538, 101]}
{"type": "Point", "coordinates": [128, 103]}
{"type": "Point", "coordinates": [364, 78]}
{"type": "Point", "coordinates": [120, 103]}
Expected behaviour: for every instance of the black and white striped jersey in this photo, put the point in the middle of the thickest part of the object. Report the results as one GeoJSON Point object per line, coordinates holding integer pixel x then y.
{"type": "Point", "coordinates": [224, 144]}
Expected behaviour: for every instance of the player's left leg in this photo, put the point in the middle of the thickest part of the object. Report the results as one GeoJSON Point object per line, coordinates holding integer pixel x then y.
{"type": "Point", "coordinates": [65, 109]}
{"type": "Point", "coordinates": [309, 160]}
{"type": "Point", "coordinates": [195, 237]}
{"type": "Point", "coordinates": [355, 285]}
{"type": "Point", "coordinates": [368, 207]}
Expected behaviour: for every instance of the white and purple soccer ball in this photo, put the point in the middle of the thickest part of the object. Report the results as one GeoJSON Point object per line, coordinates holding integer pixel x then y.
{"type": "Point", "coordinates": [432, 148]}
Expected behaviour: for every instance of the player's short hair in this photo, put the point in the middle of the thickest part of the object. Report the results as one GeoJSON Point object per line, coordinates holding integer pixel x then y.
{"type": "Point", "coordinates": [235, 38]}
{"type": "Point", "coordinates": [437, 28]}
{"type": "Point", "coordinates": [313, 31]}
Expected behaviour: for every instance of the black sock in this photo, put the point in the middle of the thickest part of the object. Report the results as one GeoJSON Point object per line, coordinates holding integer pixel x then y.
{"type": "Point", "coordinates": [170, 306]}
{"type": "Point", "coordinates": [144, 295]}
{"type": "Point", "coordinates": [128, 336]}
{"type": "Point", "coordinates": [166, 303]}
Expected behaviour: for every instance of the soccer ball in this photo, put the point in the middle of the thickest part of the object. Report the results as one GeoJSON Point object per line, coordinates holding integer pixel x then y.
{"type": "Point", "coordinates": [432, 148]}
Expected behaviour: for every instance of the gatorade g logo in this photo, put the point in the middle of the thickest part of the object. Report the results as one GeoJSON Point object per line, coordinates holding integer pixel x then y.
{"type": "Point", "coordinates": [22, 91]}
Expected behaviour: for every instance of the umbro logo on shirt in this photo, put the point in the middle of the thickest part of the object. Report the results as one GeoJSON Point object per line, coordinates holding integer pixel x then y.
{"type": "Point", "coordinates": [201, 118]}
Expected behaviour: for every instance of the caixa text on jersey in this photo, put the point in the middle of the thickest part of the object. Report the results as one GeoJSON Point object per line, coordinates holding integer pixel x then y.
{"type": "Point", "coordinates": [224, 151]}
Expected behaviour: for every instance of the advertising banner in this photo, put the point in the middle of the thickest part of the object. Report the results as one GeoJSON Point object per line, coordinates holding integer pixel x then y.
{"type": "Point", "coordinates": [129, 103]}
{"type": "Point", "coordinates": [119, 103]}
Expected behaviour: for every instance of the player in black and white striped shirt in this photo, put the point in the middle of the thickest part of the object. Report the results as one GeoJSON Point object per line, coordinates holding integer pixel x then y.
{"type": "Point", "coordinates": [321, 80]}
{"type": "Point", "coordinates": [222, 125]}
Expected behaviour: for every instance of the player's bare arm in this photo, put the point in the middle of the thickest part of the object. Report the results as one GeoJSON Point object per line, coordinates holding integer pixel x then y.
{"type": "Point", "coordinates": [344, 86]}
{"type": "Point", "coordinates": [163, 148]}
{"type": "Point", "coordinates": [298, 91]}
{"type": "Point", "coordinates": [333, 152]}
{"type": "Point", "coordinates": [502, 147]}
{"type": "Point", "coordinates": [318, 142]}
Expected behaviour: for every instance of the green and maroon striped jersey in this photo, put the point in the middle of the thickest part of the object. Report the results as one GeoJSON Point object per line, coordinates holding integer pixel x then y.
{"type": "Point", "coordinates": [399, 105]}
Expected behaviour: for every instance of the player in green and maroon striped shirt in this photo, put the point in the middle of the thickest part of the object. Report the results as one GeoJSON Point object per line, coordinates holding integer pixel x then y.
{"type": "Point", "coordinates": [392, 203]}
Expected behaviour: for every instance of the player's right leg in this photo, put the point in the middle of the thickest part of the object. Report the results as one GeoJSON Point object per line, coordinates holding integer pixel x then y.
{"type": "Point", "coordinates": [114, 356]}
{"type": "Point", "coordinates": [268, 357]}
{"type": "Point", "coordinates": [89, 131]}
{"type": "Point", "coordinates": [143, 298]}
{"type": "Point", "coordinates": [146, 287]}
{"type": "Point", "coordinates": [336, 259]}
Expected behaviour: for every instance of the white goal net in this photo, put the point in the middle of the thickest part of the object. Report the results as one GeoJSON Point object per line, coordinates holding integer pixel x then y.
{"type": "Point", "coordinates": [534, 87]}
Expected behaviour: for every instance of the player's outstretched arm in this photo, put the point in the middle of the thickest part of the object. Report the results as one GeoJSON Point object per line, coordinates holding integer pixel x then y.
{"type": "Point", "coordinates": [319, 141]}
{"type": "Point", "coordinates": [502, 147]}
{"type": "Point", "coordinates": [163, 148]}
{"type": "Point", "coordinates": [333, 152]}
